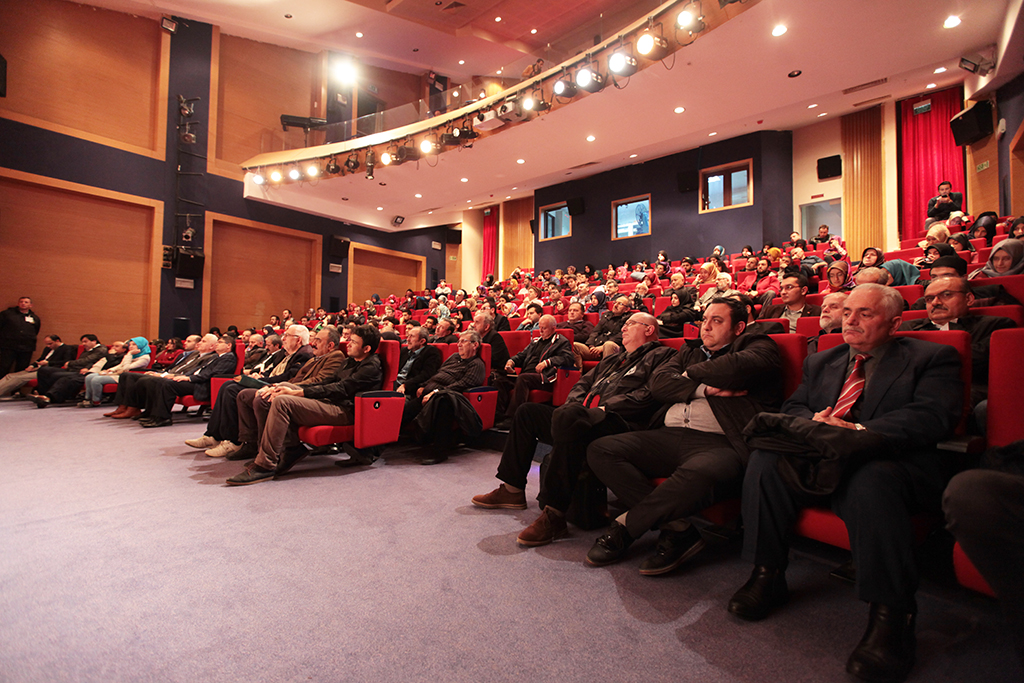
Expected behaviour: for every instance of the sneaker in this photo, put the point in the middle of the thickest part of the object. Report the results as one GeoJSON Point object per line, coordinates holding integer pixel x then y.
{"type": "Point", "coordinates": [204, 442]}
{"type": "Point", "coordinates": [611, 547]}
{"type": "Point", "coordinates": [546, 528]}
{"type": "Point", "coordinates": [501, 498]}
{"type": "Point", "coordinates": [253, 474]}
{"type": "Point", "coordinates": [673, 549]}
{"type": "Point", "coordinates": [223, 449]}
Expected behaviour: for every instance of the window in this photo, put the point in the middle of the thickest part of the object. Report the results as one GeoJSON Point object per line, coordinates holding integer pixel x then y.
{"type": "Point", "coordinates": [727, 187]}
{"type": "Point", "coordinates": [631, 217]}
{"type": "Point", "coordinates": [555, 222]}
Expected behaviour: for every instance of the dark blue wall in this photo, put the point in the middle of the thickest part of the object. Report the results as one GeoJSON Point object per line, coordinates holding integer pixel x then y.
{"type": "Point", "coordinates": [676, 225]}
{"type": "Point", "coordinates": [42, 152]}
{"type": "Point", "coordinates": [1010, 106]}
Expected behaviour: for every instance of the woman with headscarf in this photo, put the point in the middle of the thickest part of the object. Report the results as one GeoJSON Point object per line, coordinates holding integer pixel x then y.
{"type": "Point", "coordinates": [597, 299]}
{"type": "Point", "coordinates": [1006, 259]}
{"type": "Point", "coordinates": [932, 252]}
{"type": "Point", "coordinates": [672, 319]}
{"type": "Point", "coordinates": [902, 273]}
{"type": "Point", "coordinates": [839, 278]}
{"type": "Point", "coordinates": [871, 257]}
{"type": "Point", "coordinates": [937, 234]}
{"type": "Point", "coordinates": [137, 358]}
{"type": "Point", "coordinates": [985, 226]}
{"type": "Point", "coordinates": [961, 242]}
{"type": "Point", "coordinates": [707, 273]}
{"type": "Point", "coordinates": [1017, 228]}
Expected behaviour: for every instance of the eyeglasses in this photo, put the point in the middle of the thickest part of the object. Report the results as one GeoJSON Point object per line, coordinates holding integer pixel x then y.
{"type": "Point", "coordinates": [944, 296]}
{"type": "Point", "coordinates": [633, 322]}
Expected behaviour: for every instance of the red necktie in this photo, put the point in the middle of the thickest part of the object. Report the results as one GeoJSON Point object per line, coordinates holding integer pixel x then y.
{"type": "Point", "coordinates": [852, 388]}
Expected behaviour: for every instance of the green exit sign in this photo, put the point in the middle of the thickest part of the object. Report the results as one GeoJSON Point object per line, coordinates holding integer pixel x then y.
{"type": "Point", "coordinates": [982, 166]}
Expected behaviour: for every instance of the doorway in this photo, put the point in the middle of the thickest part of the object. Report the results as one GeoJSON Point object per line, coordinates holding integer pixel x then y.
{"type": "Point", "coordinates": [826, 212]}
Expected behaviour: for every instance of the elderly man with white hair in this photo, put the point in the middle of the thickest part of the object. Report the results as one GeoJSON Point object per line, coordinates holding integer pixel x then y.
{"type": "Point", "coordinates": [539, 363]}
{"type": "Point", "coordinates": [723, 288]}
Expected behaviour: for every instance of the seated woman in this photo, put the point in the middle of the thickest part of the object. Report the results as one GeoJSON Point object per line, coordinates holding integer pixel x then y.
{"type": "Point", "coordinates": [933, 252]}
{"type": "Point", "coordinates": [707, 274]}
{"type": "Point", "coordinates": [962, 242]}
{"type": "Point", "coordinates": [597, 303]}
{"type": "Point", "coordinates": [902, 273]}
{"type": "Point", "coordinates": [137, 358]}
{"type": "Point", "coordinates": [938, 233]}
{"type": "Point", "coordinates": [672, 319]}
{"type": "Point", "coordinates": [985, 226]}
{"type": "Point", "coordinates": [1017, 228]}
{"type": "Point", "coordinates": [839, 279]}
{"type": "Point", "coordinates": [1006, 259]}
{"type": "Point", "coordinates": [169, 355]}
{"type": "Point", "coordinates": [871, 257]}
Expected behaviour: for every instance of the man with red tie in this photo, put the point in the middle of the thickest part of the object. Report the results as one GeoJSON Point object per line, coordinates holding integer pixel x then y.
{"type": "Point", "coordinates": [905, 394]}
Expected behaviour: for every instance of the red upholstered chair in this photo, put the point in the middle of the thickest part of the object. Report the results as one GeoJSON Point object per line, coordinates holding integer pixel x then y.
{"type": "Point", "coordinates": [781, 321]}
{"type": "Point", "coordinates": [516, 341]}
{"type": "Point", "coordinates": [815, 299]}
{"type": "Point", "coordinates": [1005, 376]}
{"type": "Point", "coordinates": [661, 303]}
{"type": "Point", "coordinates": [378, 414]}
{"type": "Point", "coordinates": [910, 293]}
{"type": "Point", "coordinates": [808, 326]}
{"type": "Point", "coordinates": [445, 349]}
{"type": "Point", "coordinates": [565, 378]}
{"type": "Point", "coordinates": [187, 402]}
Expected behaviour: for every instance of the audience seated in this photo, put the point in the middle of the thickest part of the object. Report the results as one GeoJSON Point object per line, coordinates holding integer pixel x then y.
{"type": "Point", "coordinates": [169, 354]}
{"type": "Point", "coordinates": [793, 291]}
{"type": "Point", "coordinates": [831, 319]}
{"type": "Point", "coordinates": [58, 384]}
{"type": "Point", "coordinates": [126, 398]}
{"type": "Point", "coordinates": [1007, 258]}
{"type": "Point", "coordinates": [579, 327]}
{"type": "Point", "coordinates": [55, 353]}
{"type": "Point", "coordinates": [605, 339]}
{"type": "Point", "coordinates": [445, 332]}
{"type": "Point", "coordinates": [254, 351]}
{"type": "Point", "coordinates": [104, 372]}
{"type": "Point", "coordinates": [539, 362]}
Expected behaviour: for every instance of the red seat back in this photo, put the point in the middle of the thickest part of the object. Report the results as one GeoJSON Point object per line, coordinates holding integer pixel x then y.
{"type": "Point", "coordinates": [808, 326]}
{"type": "Point", "coordinates": [1005, 374]}
{"type": "Point", "coordinates": [389, 352]}
{"type": "Point", "coordinates": [515, 341]}
{"type": "Point", "coordinates": [793, 349]}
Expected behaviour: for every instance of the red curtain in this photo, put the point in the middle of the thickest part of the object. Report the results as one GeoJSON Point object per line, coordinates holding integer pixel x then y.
{"type": "Point", "coordinates": [929, 155]}
{"type": "Point", "coordinates": [491, 242]}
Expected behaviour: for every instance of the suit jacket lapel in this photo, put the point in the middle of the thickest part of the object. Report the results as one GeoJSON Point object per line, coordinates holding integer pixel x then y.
{"type": "Point", "coordinates": [832, 382]}
{"type": "Point", "coordinates": [891, 366]}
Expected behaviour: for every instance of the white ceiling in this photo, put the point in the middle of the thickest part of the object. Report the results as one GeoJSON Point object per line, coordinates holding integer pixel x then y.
{"type": "Point", "coordinates": [731, 81]}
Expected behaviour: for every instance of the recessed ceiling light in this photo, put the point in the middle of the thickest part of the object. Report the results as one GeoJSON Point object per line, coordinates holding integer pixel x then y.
{"type": "Point", "coordinates": [359, 34]}
{"type": "Point", "coordinates": [515, 188]}
{"type": "Point", "coordinates": [461, 62]}
{"type": "Point", "coordinates": [679, 110]}
{"type": "Point", "coordinates": [497, 18]}
{"type": "Point", "coordinates": [778, 30]}
{"type": "Point", "coordinates": [824, 113]}
{"type": "Point", "coordinates": [794, 73]}
{"type": "Point", "coordinates": [929, 86]}
{"type": "Point", "coordinates": [508, 197]}
{"type": "Point", "coordinates": [711, 135]}
{"type": "Point", "coordinates": [533, 31]}
{"type": "Point", "coordinates": [429, 212]}
{"type": "Point", "coordinates": [499, 72]}
{"type": "Point", "coordinates": [469, 201]}
{"type": "Point", "coordinates": [632, 156]}
{"type": "Point", "coordinates": [380, 208]}
{"type": "Point", "coordinates": [952, 21]}
{"type": "Point", "coordinates": [812, 106]}
{"type": "Point", "coordinates": [418, 196]}
{"type": "Point", "coordinates": [940, 70]}
{"type": "Point", "coordinates": [520, 161]}
{"type": "Point", "coordinates": [590, 138]}
{"type": "Point", "coordinates": [465, 180]}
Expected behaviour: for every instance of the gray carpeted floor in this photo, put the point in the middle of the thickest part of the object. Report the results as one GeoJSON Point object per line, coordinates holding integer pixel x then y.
{"type": "Point", "coordinates": [125, 558]}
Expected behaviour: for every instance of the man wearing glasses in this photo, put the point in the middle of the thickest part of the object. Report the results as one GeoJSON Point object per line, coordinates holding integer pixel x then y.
{"type": "Point", "coordinates": [794, 306]}
{"type": "Point", "coordinates": [610, 399]}
{"type": "Point", "coordinates": [948, 301]}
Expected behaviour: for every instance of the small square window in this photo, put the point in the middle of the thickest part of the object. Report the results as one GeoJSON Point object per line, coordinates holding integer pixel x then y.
{"type": "Point", "coordinates": [555, 222]}
{"type": "Point", "coordinates": [726, 187]}
{"type": "Point", "coordinates": [631, 217]}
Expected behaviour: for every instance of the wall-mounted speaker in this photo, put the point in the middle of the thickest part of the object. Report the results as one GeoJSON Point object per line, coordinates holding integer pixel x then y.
{"type": "Point", "coordinates": [972, 124]}
{"type": "Point", "coordinates": [533, 226]}
{"type": "Point", "coordinates": [3, 76]}
{"type": "Point", "coordinates": [188, 263]}
{"type": "Point", "coordinates": [452, 236]}
{"type": "Point", "coordinates": [830, 167]}
{"type": "Point", "coordinates": [338, 247]}
{"type": "Point", "coordinates": [689, 181]}
{"type": "Point", "coordinates": [575, 206]}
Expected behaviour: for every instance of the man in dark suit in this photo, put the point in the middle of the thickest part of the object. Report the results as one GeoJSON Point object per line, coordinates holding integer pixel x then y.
{"type": "Point", "coordinates": [711, 389]}
{"type": "Point", "coordinates": [445, 332]}
{"type": "Point", "coordinates": [418, 362]}
{"type": "Point", "coordinates": [793, 292]}
{"type": "Point", "coordinates": [483, 323]}
{"type": "Point", "coordinates": [501, 323]}
{"type": "Point", "coordinates": [539, 362]}
{"type": "Point", "coordinates": [129, 405]}
{"type": "Point", "coordinates": [906, 394]}
{"type": "Point", "coordinates": [55, 353]}
{"type": "Point", "coordinates": [158, 394]}
{"type": "Point", "coordinates": [49, 375]}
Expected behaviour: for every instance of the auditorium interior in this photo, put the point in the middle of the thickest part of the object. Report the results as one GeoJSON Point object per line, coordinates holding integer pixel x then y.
{"type": "Point", "coordinates": [168, 166]}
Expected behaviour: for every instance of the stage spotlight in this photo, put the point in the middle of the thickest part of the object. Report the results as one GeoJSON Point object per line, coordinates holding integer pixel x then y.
{"type": "Point", "coordinates": [332, 167]}
{"type": "Point", "coordinates": [622, 64]}
{"type": "Point", "coordinates": [589, 79]}
{"type": "Point", "coordinates": [535, 102]}
{"type": "Point", "coordinates": [651, 46]}
{"type": "Point", "coordinates": [466, 132]}
{"type": "Point", "coordinates": [690, 20]}
{"type": "Point", "coordinates": [565, 88]}
{"type": "Point", "coordinates": [258, 178]}
{"type": "Point", "coordinates": [452, 137]}
{"type": "Point", "coordinates": [428, 146]}
{"type": "Point", "coordinates": [371, 161]}
{"type": "Point", "coordinates": [294, 173]}
{"type": "Point", "coordinates": [276, 177]}
{"type": "Point", "coordinates": [352, 163]}
{"type": "Point", "coordinates": [312, 170]}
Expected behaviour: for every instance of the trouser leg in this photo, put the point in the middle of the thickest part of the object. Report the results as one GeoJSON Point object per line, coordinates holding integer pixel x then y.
{"type": "Point", "coordinates": [525, 383]}
{"type": "Point", "coordinates": [45, 377]}
{"type": "Point", "coordinates": [985, 512]}
{"type": "Point", "coordinates": [531, 423]}
{"type": "Point", "coordinates": [285, 415]}
{"type": "Point", "coordinates": [501, 381]}
{"type": "Point", "coordinates": [125, 386]}
{"type": "Point", "coordinates": [162, 401]}
{"type": "Point", "coordinates": [15, 380]}
{"type": "Point", "coordinates": [769, 512]}
{"type": "Point", "coordinates": [7, 361]}
{"type": "Point", "coordinates": [66, 386]}
{"type": "Point", "coordinates": [223, 424]}
{"type": "Point", "coordinates": [248, 425]}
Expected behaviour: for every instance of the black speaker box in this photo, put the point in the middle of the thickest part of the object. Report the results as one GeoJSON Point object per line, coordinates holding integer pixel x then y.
{"type": "Point", "coordinates": [830, 167]}
{"type": "Point", "coordinates": [689, 181]}
{"type": "Point", "coordinates": [3, 76]}
{"type": "Point", "coordinates": [188, 263]}
{"type": "Point", "coordinates": [181, 327]}
{"type": "Point", "coordinates": [452, 237]}
{"type": "Point", "coordinates": [972, 124]}
{"type": "Point", "coordinates": [533, 226]}
{"type": "Point", "coordinates": [575, 206]}
{"type": "Point", "coordinates": [338, 247]}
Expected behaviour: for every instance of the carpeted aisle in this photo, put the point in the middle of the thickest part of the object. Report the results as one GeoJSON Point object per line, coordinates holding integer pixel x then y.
{"type": "Point", "coordinates": [125, 558]}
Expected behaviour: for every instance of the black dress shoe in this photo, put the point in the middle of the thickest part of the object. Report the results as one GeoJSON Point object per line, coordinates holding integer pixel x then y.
{"type": "Point", "coordinates": [248, 451]}
{"type": "Point", "coordinates": [434, 459]}
{"type": "Point", "coordinates": [674, 548]}
{"type": "Point", "coordinates": [763, 592]}
{"type": "Point", "coordinates": [157, 422]}
{"type": "Point", "coordinates": [291, 456]}
{"type": "Point", "coordinates": [886, 652]}
{"type": "Point", "coordinates": [611, 547]}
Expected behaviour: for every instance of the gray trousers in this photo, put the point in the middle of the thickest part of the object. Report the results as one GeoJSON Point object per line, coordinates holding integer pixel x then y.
{"type": "Point", "coordinates": [275, 424]}
{"type": "Point", "coordinates": [695, 464]}
{"type": "Point", "coordinates": [15, 380]}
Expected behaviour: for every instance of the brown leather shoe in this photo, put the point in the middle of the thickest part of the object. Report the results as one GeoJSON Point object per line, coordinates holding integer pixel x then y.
{"type": "Point", "coordinates": [502, 498]}
{"type": "Point", "coordinates": [128, 414]}
{"type": "Point", "coordinates": [116, 412]}
{"type": "Point", "coordinates": [546, 528]}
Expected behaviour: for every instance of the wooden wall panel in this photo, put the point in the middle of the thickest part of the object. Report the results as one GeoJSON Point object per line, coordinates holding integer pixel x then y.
{"type": "Point", "coordinates": [515, 239]}
{"type": "Point", "coordinates": [863, 180]}
{"type": "Point", "coordinates": [255, 270]}
{"type": "Point", "coordinates": [983, 185]}
{"type": "Point", "coordinates": [1017, 172]}
{"type": "Point", "coordinates": [373, 270]}
{"type": "Point", "coordinates": [256, 83]}
{"type": "Point", "coordinates": [85, 70]}
{"type": "Point", "coordinates": [85, 260]}
{"type": "Point", "coordinates": [453, 265]}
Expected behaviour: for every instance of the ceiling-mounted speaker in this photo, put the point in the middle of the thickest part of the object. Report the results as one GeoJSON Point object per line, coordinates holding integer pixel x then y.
{"type": "Point", "coordinates": [533, 226]}
{"type": "Point", "coordinates": [830, 167]}
{"type": "Point", "coordinates": [689, 181]}
{"type": "Point", "coordinates": [575, 206]}
{"type": "Point", "coordinates": [972, 124]}
{"type": "Point", "coordinates": [453, 236]}
{"type": "Point", "coordinates": [338, 247]}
